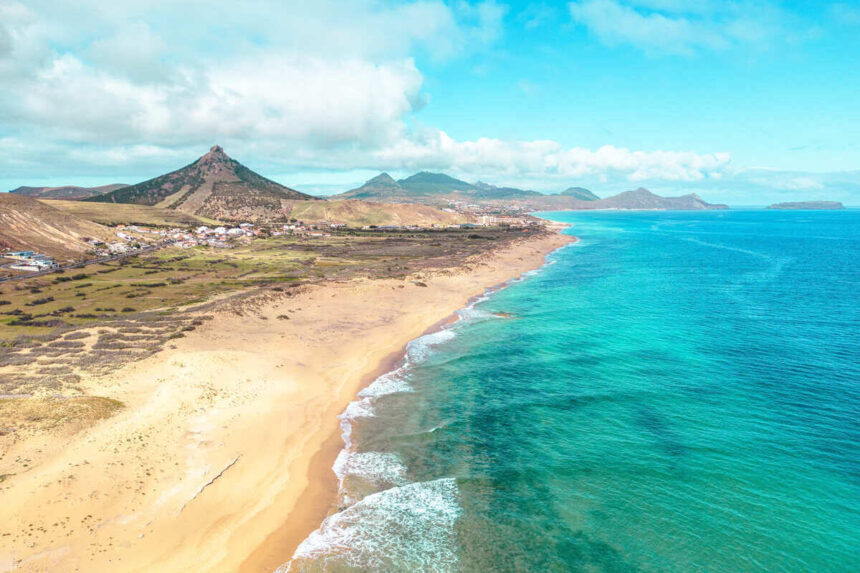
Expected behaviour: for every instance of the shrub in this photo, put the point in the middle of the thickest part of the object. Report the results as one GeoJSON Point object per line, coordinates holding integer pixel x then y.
{"type": "Point", "coordinates": [66, 344]}
{"type": "Point", "coordinates": [283, 317]}
{"type": "Point", "coordinates": [129, 309]}
{"type": "Point", "coordinates": [54, 323]}
{"type": "Point", "coordinates": [76, 335]}
{"type": "Point", "coordinates": [4, 302]}
{"type": "Point", "coordinates": [39, 301]}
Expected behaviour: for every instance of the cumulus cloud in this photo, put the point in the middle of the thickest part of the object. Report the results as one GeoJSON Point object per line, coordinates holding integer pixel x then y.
{"type": "Point", "coordinates": [545, 159]}
{"type": "Point", "coordinates": [292, 98]}
{"type": "Point", "coordinates": [680, 28]}
{"type": "Point", "coordinates": [328, 73]}
{"type": "Point", "coordinates": [325, 84]}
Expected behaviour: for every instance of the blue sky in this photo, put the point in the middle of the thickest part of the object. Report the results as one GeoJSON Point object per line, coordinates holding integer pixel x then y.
{"type": "Point", "coordinates": [742, 102]}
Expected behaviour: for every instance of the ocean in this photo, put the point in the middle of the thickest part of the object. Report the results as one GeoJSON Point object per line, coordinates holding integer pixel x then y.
{"type": "Point", "coordinates": [679, 391]}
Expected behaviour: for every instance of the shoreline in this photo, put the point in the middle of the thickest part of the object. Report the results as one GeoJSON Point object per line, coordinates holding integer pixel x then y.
{"type": "Point", "coordinates": [222, 458]}
{"type": "Point", "coordinates": [327, 456]}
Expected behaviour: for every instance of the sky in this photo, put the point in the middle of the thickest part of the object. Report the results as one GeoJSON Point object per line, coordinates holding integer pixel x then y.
{"type": "Point", "coordinates": [744, 102]}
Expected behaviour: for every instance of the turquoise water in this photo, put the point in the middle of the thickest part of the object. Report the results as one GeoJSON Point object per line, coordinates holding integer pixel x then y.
{"type": "Point", "coordinates": [678, 392]}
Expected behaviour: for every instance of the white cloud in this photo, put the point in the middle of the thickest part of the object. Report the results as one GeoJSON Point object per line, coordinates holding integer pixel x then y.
{"type": "Point", "coordinates": [326, 74]}
{"type": "Point", "coordinates": [544, 159]}
{"type": "Point", "coordinates": [129, 87]}
{"type": "Point", "coordinates": [680, 28]}
{"type": "Point", "coordinates": [289, 98]}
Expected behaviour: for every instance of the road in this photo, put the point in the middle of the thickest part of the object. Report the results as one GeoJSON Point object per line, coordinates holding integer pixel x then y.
{"type": "Point", "coordinates": [117, 257]}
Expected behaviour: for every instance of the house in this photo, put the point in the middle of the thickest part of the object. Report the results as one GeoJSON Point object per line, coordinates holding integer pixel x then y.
{"type": "Point", "coordinates": [44, 263]}
{"type": "Point", "coordinates": [20, 255]}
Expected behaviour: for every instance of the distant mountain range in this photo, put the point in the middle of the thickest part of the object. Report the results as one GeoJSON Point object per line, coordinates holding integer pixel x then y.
{"type": "Point", "coordinates": [430, 186]}
{"type": "Point", "coordinates": [214, 186]}
{"type": "Point", "coordinates": [811, 205]}
{"type": "Point", "coordinates": [69, 192]}
{"type": "Point", "coordinates": [219, 188]}
{"type": "Point", "coordinates": [436, 188]}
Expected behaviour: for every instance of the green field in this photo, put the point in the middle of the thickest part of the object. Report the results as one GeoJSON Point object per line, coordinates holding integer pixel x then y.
{"type": "Point", "coordinates": [174, 277]}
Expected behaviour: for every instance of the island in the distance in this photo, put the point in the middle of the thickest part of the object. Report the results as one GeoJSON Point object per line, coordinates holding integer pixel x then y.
{"type": "Point", "coordinates": [800, 205]}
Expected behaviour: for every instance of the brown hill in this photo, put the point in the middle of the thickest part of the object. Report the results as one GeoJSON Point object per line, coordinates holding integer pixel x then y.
{"type": "Point", "coordinates": [358, 213]}
{"type": "Point", "coordinates": [112, 214]}
{"type": "Point", "coordinates": [69, 192]}
{"type": "Point", "coordinates": [215, 186]}
{"type": "Point", "coordinates": [29, 224]}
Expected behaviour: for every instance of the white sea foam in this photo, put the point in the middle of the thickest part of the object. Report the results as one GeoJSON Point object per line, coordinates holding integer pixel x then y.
{"type": "Point", "coordinates": [408, 528]}
{"type": "Point", "coordinates": [359, 471]}
{"type": "Point", "coordinates": [420, 349]}
{"type": "Point", "coordinates": [388, 383]}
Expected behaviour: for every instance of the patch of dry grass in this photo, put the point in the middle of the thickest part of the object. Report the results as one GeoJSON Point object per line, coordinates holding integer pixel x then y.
{"type": "Point", "coordinates": [44, 414]}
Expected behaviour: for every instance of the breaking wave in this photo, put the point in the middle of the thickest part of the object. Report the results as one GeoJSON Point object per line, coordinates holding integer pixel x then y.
{"type": "Point", "coordinates": [408, 528]}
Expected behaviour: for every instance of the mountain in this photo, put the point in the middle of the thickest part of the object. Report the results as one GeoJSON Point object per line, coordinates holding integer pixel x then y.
{"type": "Point", "coordinates": [638, 199]}
{"type": "Point", "coordinates": [579, 193]}
{"type": "Point", "coordinates": [66, 192]}
{"type": "Point", "coordinates": [380, 188]}
{"type": "Point", "coordinates": [426, 183]}
{"type": "Point", "coordinates": [486, 191]}
{"type": "Point", "coordinates": [644, 199]}
{"type": "Point", "coordinates": [431, 187]}
{"type": "Point", "coordinates": [811, 205]}
{"type": "Point", "coordinates": [215, 186]}
{"type": "Point", "coordinates": [28, 224]}
{"type": "Point", "coordinates": [435, 188]}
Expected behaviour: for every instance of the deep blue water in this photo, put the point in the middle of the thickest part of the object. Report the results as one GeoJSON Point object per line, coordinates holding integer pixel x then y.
{"type": "Point", "coordinates": [680, 391]}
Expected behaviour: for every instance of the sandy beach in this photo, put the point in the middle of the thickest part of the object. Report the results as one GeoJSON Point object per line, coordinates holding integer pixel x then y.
{"type": "Point", "coordinates": [221, 458]}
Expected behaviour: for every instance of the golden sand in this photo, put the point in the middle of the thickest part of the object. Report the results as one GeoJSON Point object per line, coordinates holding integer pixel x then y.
{"type": "Point", "coordinates": [221, 459]}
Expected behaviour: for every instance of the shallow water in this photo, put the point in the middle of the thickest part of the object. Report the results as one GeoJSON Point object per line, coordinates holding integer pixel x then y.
{"type": "Point", "coordinates": [679, 391]}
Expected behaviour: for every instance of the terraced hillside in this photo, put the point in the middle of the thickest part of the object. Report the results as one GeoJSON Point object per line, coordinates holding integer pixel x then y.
{"type": "Point", "coordinates": [215, 186]}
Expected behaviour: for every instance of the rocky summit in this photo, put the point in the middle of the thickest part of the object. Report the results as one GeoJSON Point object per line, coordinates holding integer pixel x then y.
{"type": "Point", "coordinates": [215, 186]}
